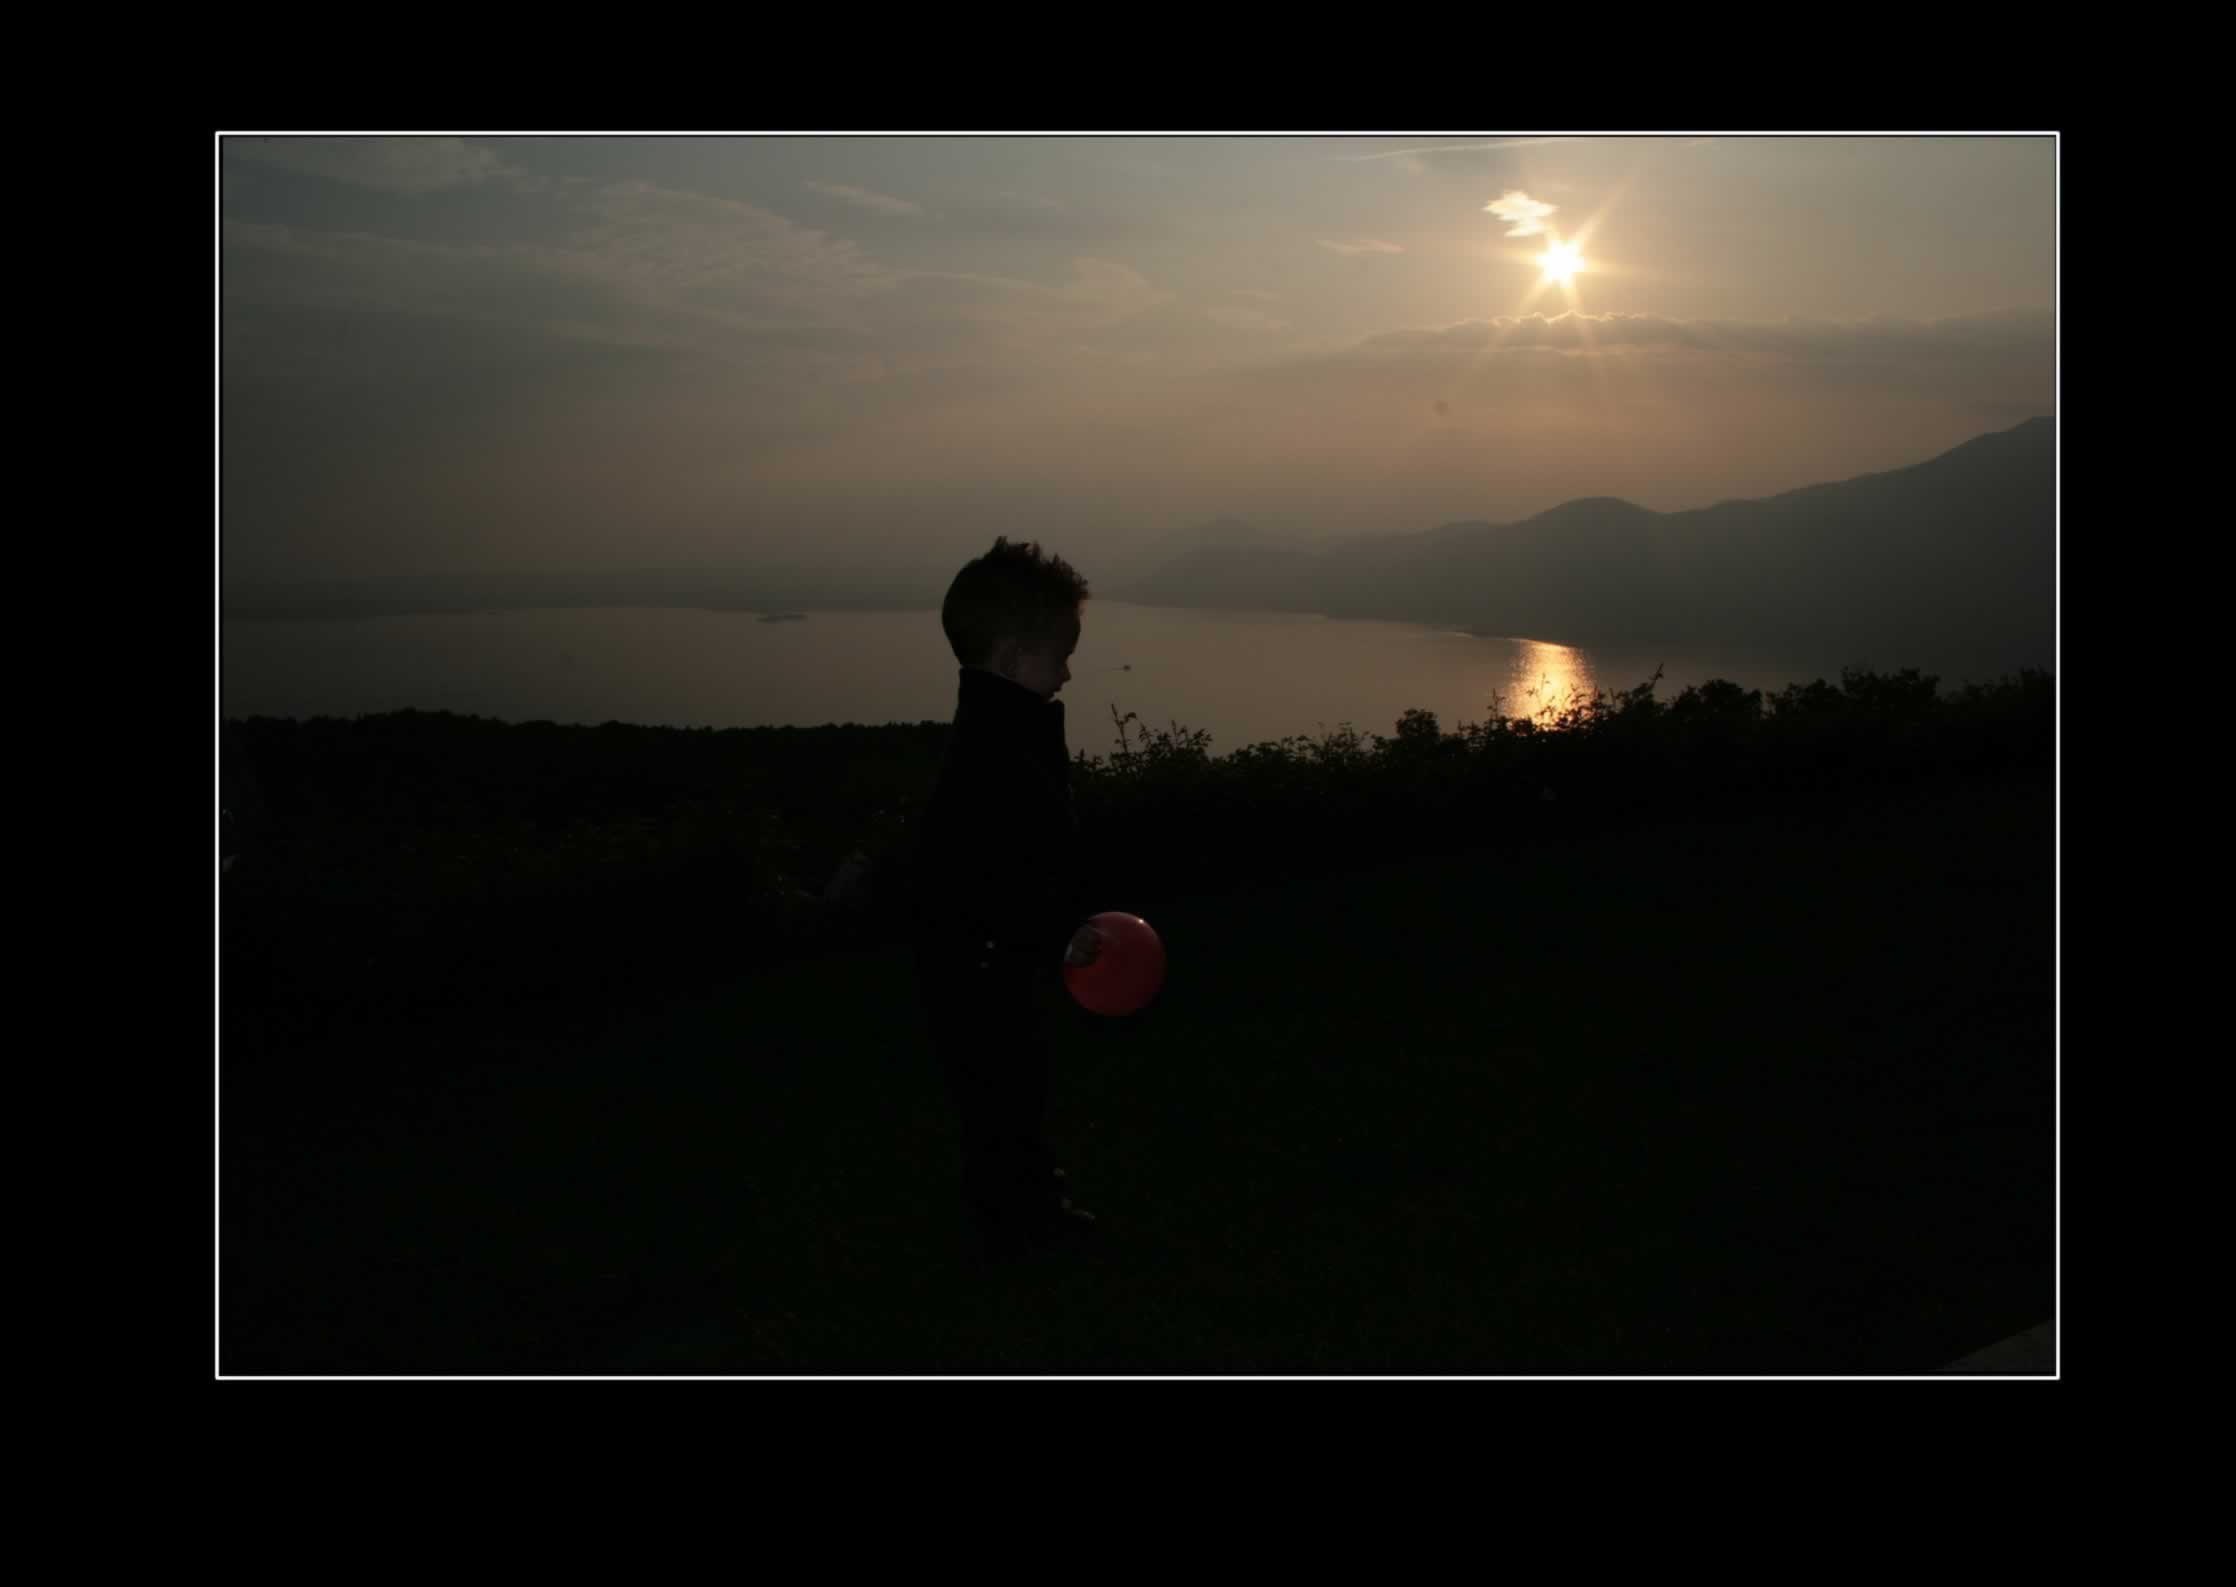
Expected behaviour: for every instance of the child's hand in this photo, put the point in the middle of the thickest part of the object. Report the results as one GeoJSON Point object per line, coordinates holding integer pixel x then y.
{"type": "Point", "coordinates": [1086, 947]}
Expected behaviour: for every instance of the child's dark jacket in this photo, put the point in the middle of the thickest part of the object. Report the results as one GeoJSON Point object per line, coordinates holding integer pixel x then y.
{"type": "Point", "coordinates": [999, 881]}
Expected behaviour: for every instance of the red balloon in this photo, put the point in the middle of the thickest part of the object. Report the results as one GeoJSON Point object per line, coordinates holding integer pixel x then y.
{"type": "Point", "coordinates": [1128, 970]}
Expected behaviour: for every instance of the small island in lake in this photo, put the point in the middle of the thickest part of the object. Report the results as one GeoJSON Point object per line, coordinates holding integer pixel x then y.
{"type": "Point", "coordinates": [785, 617]}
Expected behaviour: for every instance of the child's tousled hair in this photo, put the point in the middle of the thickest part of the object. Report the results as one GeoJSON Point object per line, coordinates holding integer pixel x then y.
{"type": "Point", "coordinates": [1012, 592]}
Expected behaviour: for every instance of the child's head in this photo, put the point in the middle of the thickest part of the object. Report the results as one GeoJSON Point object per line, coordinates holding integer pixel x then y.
{"type": "Point", "coordinates": [1016, 613]}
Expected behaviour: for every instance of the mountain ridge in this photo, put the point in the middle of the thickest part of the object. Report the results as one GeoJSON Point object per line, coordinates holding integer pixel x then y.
{"type": "Point", "coordinates": [1954, 553]}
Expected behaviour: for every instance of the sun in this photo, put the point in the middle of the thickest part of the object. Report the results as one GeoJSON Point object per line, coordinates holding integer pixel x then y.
{"type": "Point", "coordinates": [1561, 262]}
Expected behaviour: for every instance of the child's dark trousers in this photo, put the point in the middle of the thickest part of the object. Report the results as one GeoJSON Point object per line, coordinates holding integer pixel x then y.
{"type": "Point", "coordinates": [993, 1048]}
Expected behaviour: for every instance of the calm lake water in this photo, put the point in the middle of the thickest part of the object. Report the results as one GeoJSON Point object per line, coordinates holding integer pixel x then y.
{"type": "Point", "coordinates": [1245, 677]}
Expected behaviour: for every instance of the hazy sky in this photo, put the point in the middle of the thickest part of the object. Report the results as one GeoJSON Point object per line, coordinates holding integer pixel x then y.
{"type": "Point", "coordinates": [483, 354]}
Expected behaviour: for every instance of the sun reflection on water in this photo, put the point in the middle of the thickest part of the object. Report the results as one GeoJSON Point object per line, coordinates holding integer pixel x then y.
{"type": "Point", "coordinates": [1544, 681]}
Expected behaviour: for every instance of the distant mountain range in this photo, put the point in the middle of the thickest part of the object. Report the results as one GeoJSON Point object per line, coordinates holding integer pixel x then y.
{"type": "Point", "coordinates": [1953, 556]}
{"type": "Point", "coordinates": [1956, 555]}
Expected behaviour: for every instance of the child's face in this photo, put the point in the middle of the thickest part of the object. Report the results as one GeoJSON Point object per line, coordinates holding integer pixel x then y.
{"type": "Point", "coordinates": [1043, 670]}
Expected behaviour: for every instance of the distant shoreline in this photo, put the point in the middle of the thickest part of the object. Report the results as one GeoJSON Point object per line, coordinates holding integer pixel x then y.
{"type": "Point", "coordinates": [765, 611]}
{"type": "Point", "coordinates": [339, 610]}
{"type": "Point", "coordinates": [1951, 666]}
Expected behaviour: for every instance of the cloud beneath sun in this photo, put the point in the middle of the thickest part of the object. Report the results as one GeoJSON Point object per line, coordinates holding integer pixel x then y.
{"type": "Point", "coordinates": [1525, 216]}
{"type": "Point", "coordinates": [2006, 360]}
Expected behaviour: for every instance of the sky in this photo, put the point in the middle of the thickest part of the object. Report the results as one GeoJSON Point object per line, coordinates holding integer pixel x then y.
{"type": "Point", "coordinates": [442, 354]}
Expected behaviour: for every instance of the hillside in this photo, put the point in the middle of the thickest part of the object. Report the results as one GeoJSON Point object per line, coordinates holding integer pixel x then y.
{"type": "Point", "coordinates": [1953, 555]}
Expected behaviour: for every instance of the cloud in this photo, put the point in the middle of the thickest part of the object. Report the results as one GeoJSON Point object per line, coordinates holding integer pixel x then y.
{"type": "Point", "coordinates": [1457, 148]}
{"type": "Point", "coordinates": [1985, 363]}
{"type": "Point", "coordinates": [1100, 294]}
{"type": "Point", "coordinates": [863, 198]}
{"type": "Point", "coordinates": [1524, 215]}
{"type": "Point", "coordinates": [2023, 330]}
{"type": "Point", "coordinates": [719, 294]}
{"type": "Point", "coordinates": [716, 251]}
{"type": "Point", "coordinates": [1364, 245]}
{"type": "Point", "coordinates": [1246, 319]}
{"type": "Point", "coordinates": [409, 166]}
{"type": "Point", "coordinates": [673, 277]}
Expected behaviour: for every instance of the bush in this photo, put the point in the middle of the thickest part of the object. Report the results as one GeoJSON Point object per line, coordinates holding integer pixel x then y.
{"type": "Point", "coordinates": [450, 861]}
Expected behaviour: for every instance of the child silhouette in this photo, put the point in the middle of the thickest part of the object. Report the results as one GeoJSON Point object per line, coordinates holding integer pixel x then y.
{"type": "Point", "coordinates": [999, 888]}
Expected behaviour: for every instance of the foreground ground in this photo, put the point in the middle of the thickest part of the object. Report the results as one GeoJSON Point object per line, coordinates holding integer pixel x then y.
{"type": "Point", "coordinates": [1762, 1096]}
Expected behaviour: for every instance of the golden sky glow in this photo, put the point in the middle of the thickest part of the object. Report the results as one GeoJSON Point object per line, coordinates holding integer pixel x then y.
{"type": "Point", "coordinates": [478, 353]}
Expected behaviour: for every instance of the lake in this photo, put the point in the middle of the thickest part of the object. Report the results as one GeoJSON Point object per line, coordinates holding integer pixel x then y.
{"type": "Point", "coordinates": [1245, 677]}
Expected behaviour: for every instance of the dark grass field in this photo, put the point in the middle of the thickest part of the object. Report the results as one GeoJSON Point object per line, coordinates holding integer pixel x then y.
{"type": "Point", "coordinates": [1773, 1095]}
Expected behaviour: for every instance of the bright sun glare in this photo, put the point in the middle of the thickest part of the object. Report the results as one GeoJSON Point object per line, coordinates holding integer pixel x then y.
{"type": "Point", "coordinates": [1561, 261]}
